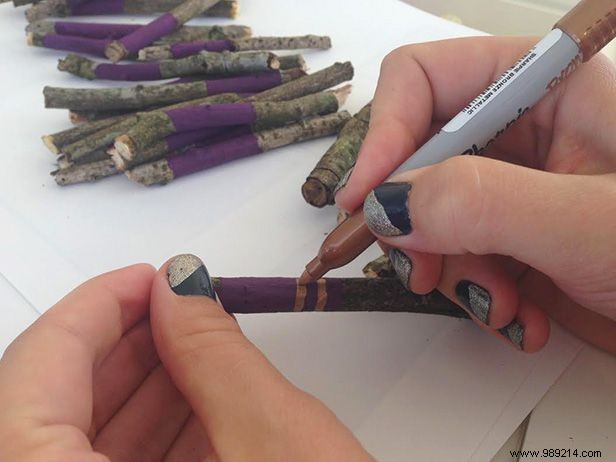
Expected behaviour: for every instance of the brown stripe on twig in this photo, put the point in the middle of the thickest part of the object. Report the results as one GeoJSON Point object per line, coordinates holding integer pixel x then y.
{"type": "Point", "coordinates": [321, 295]}
{"type": "Point", "coordinates": [300, 297]}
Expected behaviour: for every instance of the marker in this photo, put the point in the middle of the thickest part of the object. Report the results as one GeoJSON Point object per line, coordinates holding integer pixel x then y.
{"type": "Point", "coordinates": [579, 35]}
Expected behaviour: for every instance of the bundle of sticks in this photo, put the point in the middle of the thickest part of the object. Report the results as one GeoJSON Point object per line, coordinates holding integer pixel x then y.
{"type": "Point", "coordinates": [231, 96]}
{"type": "Point", "coordinates": [193, 125]}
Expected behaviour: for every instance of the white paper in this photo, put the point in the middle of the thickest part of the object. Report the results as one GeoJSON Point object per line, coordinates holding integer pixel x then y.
{"type": "Point", "coordinates": [412, 387]}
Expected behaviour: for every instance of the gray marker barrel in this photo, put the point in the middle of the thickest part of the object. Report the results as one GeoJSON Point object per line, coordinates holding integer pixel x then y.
{"type": "Point", "coordinates": [502, 103]}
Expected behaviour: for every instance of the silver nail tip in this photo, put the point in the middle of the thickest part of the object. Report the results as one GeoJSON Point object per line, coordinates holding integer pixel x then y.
{"type": "Point", "coordinates": [403, 266]}
{"type": "Point", "coordinates": [377, 219]}
{"type": "Point", "coordinates": [514, 332]}
{"type": "Point", "coordinates": [480, 302]}
{"type": "Point", "coordinates": [181, 267]}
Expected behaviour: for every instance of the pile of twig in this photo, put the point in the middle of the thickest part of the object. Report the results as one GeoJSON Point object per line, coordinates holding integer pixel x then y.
{"type": "Point", "coordinates": [232, 97]}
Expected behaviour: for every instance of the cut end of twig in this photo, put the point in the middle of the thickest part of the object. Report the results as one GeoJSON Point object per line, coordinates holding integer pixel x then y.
{"type": "Point", "coordinates": [154, 53]}
{"type": "Point", "coordinates": [315, 193]}
{"type": "Point", "coordinates": [150, 174]}
{"type": "Point", "coordinates": [342, 94]}
{"type": "Point", "coordinates": [49, 142]}
{"type": "Point", "coordinates": [30, 39]}
{"type": "Point", "coordinates": [125, 147]}
{"type": "Point", "coordinates": [235, 10]}
{"type": "Point", "coordinates": [273, 62]}
{"type": "Point", "coordinates": [63, 162]}
{"type": "Point", "coordinates": [76, 118]}
{"type": "Point", "coordinates": [117, 159]}
{"type": "Point", "coordinates": [292, 74]}
{"type": "Point", "coordinates": [115, 51]}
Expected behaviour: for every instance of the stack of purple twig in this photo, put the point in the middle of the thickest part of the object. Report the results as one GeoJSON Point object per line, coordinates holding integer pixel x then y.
{"type": "Point", "coordinates": [230, 96]}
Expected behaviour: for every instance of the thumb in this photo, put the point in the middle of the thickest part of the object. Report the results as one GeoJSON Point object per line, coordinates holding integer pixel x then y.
{"type": "Point", "coordinates": [484, 206]}
{"type": "Point", "coordinates": [248, 409]}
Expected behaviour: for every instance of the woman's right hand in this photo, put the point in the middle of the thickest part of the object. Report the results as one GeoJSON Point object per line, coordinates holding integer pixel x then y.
{"type": "Point", "coordinates": [527, 230]}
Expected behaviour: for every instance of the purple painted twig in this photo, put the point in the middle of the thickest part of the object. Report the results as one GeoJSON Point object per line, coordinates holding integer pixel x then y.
{"type": "Point", "coordinates": [161, 26]}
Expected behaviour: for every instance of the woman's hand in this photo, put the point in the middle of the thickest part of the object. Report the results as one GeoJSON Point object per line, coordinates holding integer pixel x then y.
{"type": "Point", "coordinates": [527, 230]}
{"type": "Point", "coordinates": [102, 377]}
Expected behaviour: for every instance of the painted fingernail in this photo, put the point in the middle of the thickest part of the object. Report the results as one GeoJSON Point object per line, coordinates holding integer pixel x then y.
{"type": "Point", "coordinates": [515, 333]}
{"type": "Point", "coordinates": [187, 275]}
{"type": "Point", "coordinates": [402, 264]}
{"type": "Point", "coordinates": [476, 299]}
{"type": "Point", "coordinates": [386, 209]}
{"type": "Point", "coordinates": [343, 181]}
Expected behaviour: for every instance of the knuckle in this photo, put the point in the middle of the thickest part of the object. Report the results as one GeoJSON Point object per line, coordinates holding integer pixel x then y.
{"type": "Point", "coordinates": [395, 56]}
{"type": "Point", "coordinates": [467, 202]}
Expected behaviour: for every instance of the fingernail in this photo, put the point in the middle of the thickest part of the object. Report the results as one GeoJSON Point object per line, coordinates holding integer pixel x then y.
{"type": "Point", "coordinates": [187, 275]}
{"type": "Point", "coordinates": [515, 333]}
{"type": "Point", "coordinates": [343, 181]}
{"type": "Point", "coordinates": [476, 299]}
{"type": "Point", "coordinates": [386, 209]}
{"type": "Point", "coordinates": [402, 264]}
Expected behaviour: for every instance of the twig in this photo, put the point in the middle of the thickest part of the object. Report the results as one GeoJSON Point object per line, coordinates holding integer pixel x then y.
{"type": "Point", "coordinates": [140, 96]}
{"type": "Point", "coordinates": [159, 124]}
{"type": "Point", "coordinates": [196, 159]}
{"type": "Point", "coordinates": [62, 8]}
{"type": "Point", "coordinates": [85, 173]}
{"type": "Point", "coordinates": [312, 83]}
{"type": "Point", "coordinates": [105, 137]}
{"type": "Point", "coordinates": [273, 295]}
{"type": "Point", "coordinates": [182, 50]}
{"type": "Point", "coordinates": [320, 186]}
{"type": "Point", "coordinates": [220, 64]}
{"type": "Point", "coordinates": [161, 26]}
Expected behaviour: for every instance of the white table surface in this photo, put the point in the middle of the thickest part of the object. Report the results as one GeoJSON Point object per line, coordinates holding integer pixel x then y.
{"type": "Point", "coordinates": [387, 376]}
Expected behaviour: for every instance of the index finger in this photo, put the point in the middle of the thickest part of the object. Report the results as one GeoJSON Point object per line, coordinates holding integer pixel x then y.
{"type": "Point", "coordinates": [420, 84]}
{"type": "Point", "coordinates": [46, 374]}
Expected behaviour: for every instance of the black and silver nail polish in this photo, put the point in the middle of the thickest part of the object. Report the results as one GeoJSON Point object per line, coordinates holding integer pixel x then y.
{"type": "Point", "coordinates": [476, 299]}
{"type": "Point", "coordinates": [402, 264]}
{"type": "Point", "coordinates": [515, 333]}
{"type": "Point", "coordinates": [188, 275]}
{"type": "Point", "coordinates": [343, 181]}
{"type": "Point", "coordinates": [386, 209]}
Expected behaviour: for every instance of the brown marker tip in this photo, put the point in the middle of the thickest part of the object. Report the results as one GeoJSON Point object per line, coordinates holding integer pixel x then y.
{"type": "Point", "coordinates": [305, 278]}
{"type": "Point", "coordinates": [315, 270]}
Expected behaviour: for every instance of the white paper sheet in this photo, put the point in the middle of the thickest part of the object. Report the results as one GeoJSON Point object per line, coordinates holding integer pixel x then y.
{"type": "Point", "coordinates": [412, 387]}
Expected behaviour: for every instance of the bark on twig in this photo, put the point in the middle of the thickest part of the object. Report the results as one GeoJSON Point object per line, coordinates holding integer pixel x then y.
{"type": "Point", "coordinates": [105, 137]}
{"type": "Point", "coordinates": [56, 141]}
{"type": "Point", "coordinates": [320, 186]}
{"type": "Point", "coordinates": [192, 33]}
{"type": "Point", "coordinates": [85, 173]}
{"type": "Point", "coordinates": [102, 30]}
{"type": "Point", "coordinates": [159, 124]}
{"type": "Point", "coordinates": [182, 50]}
{"type": "Point", "coordinates": [291, 61]}
{"type": "Point", "coordinates": [380, 268]}
{"type": "Point", "coordinates": [200, 158]}
{"type": "Point", "coordinates": [311, 83]}
{"type": "Point", "coordinates": [141, 97]}
{"type": "Point", "coordinates": [78, 117]}
{"type": "Point", "coordinates": [219, 64]}
{"type": "Point", "coordinates": [161, 26]}
{"type": "Point", "coordinates": [61, 8]}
